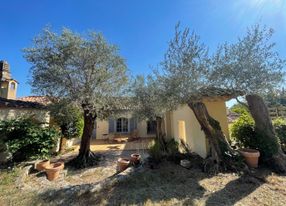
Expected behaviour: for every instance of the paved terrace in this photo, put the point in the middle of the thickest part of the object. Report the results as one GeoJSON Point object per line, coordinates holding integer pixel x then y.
{"type": "Point", "coordinates": [119, 144]}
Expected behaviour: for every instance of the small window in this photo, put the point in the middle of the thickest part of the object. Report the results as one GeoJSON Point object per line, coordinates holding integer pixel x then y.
{"type": "Point", "coordinates": [122, 125]}
{"type": "Point", "coordinates": [151, 127]}
{"type": "Point", "coordinates": [12, 86]}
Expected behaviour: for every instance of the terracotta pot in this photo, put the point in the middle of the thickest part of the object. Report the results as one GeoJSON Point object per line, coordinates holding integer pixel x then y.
{"type": "Point", "coordinates": [53, 171]}
{"type": "Point", "coordinates": [251, 157]}
{"type": "Point", "coordinates": [122, 164]}
{"type": "Point", "coordinates": [135, 158]}
{"type": "Point", "coordinates": [42, 165]}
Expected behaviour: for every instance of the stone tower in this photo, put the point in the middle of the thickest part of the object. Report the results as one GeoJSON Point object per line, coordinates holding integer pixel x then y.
{"type": "Point", "coordinates": [8, 86]}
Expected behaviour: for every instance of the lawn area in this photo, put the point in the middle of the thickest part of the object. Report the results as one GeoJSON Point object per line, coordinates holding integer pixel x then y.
{"type": "Point", "coordinates": [170, 184]}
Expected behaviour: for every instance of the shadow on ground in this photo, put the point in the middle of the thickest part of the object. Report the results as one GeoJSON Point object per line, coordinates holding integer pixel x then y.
{"type": "Point", "coordinates": [168, 185]}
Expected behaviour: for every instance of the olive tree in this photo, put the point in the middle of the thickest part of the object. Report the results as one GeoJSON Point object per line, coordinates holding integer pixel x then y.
{"type": "Point", "coordinates": [151, 103]}
{"type": "Point", "coordinates": [84, 69]}
{"type": "Point", "coordinates": [253, 66]}
{"type": "Point", "coordinates": [185, 72]}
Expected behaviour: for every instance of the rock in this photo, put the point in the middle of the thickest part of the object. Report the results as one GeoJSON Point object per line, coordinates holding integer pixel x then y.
{"type": "Point", "coordinates": [5, 157]}
{"type": "Point", "coordinates": [185, 163]}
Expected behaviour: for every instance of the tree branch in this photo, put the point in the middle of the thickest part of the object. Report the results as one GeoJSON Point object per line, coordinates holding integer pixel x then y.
{"type": "Point", "coordinates": [242, 103]}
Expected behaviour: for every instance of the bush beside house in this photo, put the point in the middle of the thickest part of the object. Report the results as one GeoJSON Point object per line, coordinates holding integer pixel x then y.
{"type": "Point", "coordinates": [27, 139]}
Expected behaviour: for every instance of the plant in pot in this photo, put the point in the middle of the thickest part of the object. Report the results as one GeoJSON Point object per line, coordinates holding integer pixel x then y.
{"type": "Point", "coordinates": [243, 133]}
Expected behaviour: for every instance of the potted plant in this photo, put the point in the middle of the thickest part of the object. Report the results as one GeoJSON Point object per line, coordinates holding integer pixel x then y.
{"type": "Point", "coordinates": [135, 158]}
{"type": "Point", "coordinates": [53, 171]}
{"type": "Point", "coordinates": [251, 156]}
{"type": "Point", "coordinates": [122, 164]}
{"type": "Point", "coordinates": [42, 165]}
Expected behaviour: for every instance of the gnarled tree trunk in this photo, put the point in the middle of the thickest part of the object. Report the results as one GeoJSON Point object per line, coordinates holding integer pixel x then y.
{"type": "Point", "coordinates": [85, 156]}
{"type": "Point", "coordinates": [263, 127]}
{"type": "Point", "coordinates": [223, 157]}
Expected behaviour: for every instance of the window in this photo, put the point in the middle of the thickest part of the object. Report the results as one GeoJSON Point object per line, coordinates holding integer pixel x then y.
{"type": "Point", "coordinates": [151, 127]}
{"type": "Point", "coordinates": [12, 86]}
{"type": "Point", "coordinates": [122, 125]}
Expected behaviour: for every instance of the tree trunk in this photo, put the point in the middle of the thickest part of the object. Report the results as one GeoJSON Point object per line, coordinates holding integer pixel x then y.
{"type": "Point", "coordinates": [269, 143]}
{"type": "Point", "coordinates": [63, 139]}
{"type": "Point", "coordinates": [159, 132]}
{"type": "Point", "coordinates": [86, 157]}
{"type": "Point", "coordinates": [223, 157]}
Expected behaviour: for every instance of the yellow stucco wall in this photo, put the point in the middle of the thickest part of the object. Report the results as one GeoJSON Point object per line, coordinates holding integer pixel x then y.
{"type": "Point", "coordinates": [194, 136]}
{"type": "Point", "coordinates": [217, 109]}
{"type": "Point", "coordinates": [12, 113]}
{"type": "Point", "coordinates": [6, 90]}
{"type": "Point", "coordinates": [12, 92]}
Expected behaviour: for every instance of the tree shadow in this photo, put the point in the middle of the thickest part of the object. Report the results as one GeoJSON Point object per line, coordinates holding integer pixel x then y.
{"type": "Point", "coordinates": [170, 184]}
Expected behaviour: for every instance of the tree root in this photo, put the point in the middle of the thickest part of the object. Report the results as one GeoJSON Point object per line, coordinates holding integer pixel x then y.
{"type": "Point", "coordinates": [278, 162]}
{"type": "Point", "coordinates": [85, 160]}
{"type": "Point", "coordinates": [233, 163]}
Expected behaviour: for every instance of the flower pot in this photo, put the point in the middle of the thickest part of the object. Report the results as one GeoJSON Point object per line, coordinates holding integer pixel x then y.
{"type": "Point", "coordinates": [251, 157]}
{"type": "Point", "coordinates": [122, 164]}
{"type": "Point", "coordinates": [135, 158]}
{"type": "Point", "coordinates": [53, 171]}
{"type": "Point", "coordinates": [42, 165]}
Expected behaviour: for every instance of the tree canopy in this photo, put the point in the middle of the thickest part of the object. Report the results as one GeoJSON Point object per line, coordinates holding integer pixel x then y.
{"type": "Point", "coordinates": [82, 68]}
{"type": "Point", "coordinates": [251, 64]}
{"type": "Point", "coordinates": [184, 69]}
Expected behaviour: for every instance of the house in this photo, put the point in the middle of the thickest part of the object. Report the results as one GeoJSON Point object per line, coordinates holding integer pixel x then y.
{"type": "Point", "coordinates": [10, 107]}
{"type": "Point", "coordinates": [180, 124]}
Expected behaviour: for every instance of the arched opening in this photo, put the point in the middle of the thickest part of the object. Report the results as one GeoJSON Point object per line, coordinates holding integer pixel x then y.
{"type": "Point", "coordinates": [12, 85]}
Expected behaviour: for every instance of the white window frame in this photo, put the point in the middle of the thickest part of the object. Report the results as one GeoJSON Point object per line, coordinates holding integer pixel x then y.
{"type": "Point", "coordinates": [128, 125]}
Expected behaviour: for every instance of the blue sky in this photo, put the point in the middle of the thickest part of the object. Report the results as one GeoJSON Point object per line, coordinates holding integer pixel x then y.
{"type": "Point", "coordinates": [141, 29]}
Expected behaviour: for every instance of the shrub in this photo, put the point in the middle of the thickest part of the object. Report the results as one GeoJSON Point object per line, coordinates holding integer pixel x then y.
{"type": "Point", "coordinates": [170, 150]}
{"type": "Point", "coordinates": [27, 139]}
{"type": "Point", "coordinates": [156, 151]}
{"type": "Point", "coordinates": [68, 118]}
{"type": "Point", "coordinates": [244, 135]}
{"type": "Point", "coordinates": [280, 128]}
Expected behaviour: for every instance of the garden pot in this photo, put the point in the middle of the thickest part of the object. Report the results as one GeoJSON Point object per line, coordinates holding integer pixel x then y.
{"type": "Point", "coordinates": [53, 171]}
{"type": "Point", "coordinates": [42, 165]}
{"type": "Point", "coordinates": [251, 157]}
{"type": "Point", "coordinates": [122, 164]}
{"type": "Point", "coordinates": [135, 158]}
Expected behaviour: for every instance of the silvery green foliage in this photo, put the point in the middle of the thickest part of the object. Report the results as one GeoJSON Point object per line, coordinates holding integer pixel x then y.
{"type": "Point", "coordinates": [251, 64]}
{"type": "Point", "coordinates": [149, 100]}
{"type": "Point", "coordinates": [184, 69]}
{"type": "Point", "coordinates": [84, 69]}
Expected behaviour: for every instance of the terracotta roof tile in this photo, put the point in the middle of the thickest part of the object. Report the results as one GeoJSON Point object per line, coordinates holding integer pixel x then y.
{"type": "Point", "coordinates": [10, 103]}
{"type": "Point", "coordinates": [44, 100]}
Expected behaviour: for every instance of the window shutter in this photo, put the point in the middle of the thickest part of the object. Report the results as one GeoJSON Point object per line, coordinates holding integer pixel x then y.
{"type": "Point", "coordinates": [133, 124]}
{"type": "Point", "coordinates": [111, 125]}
